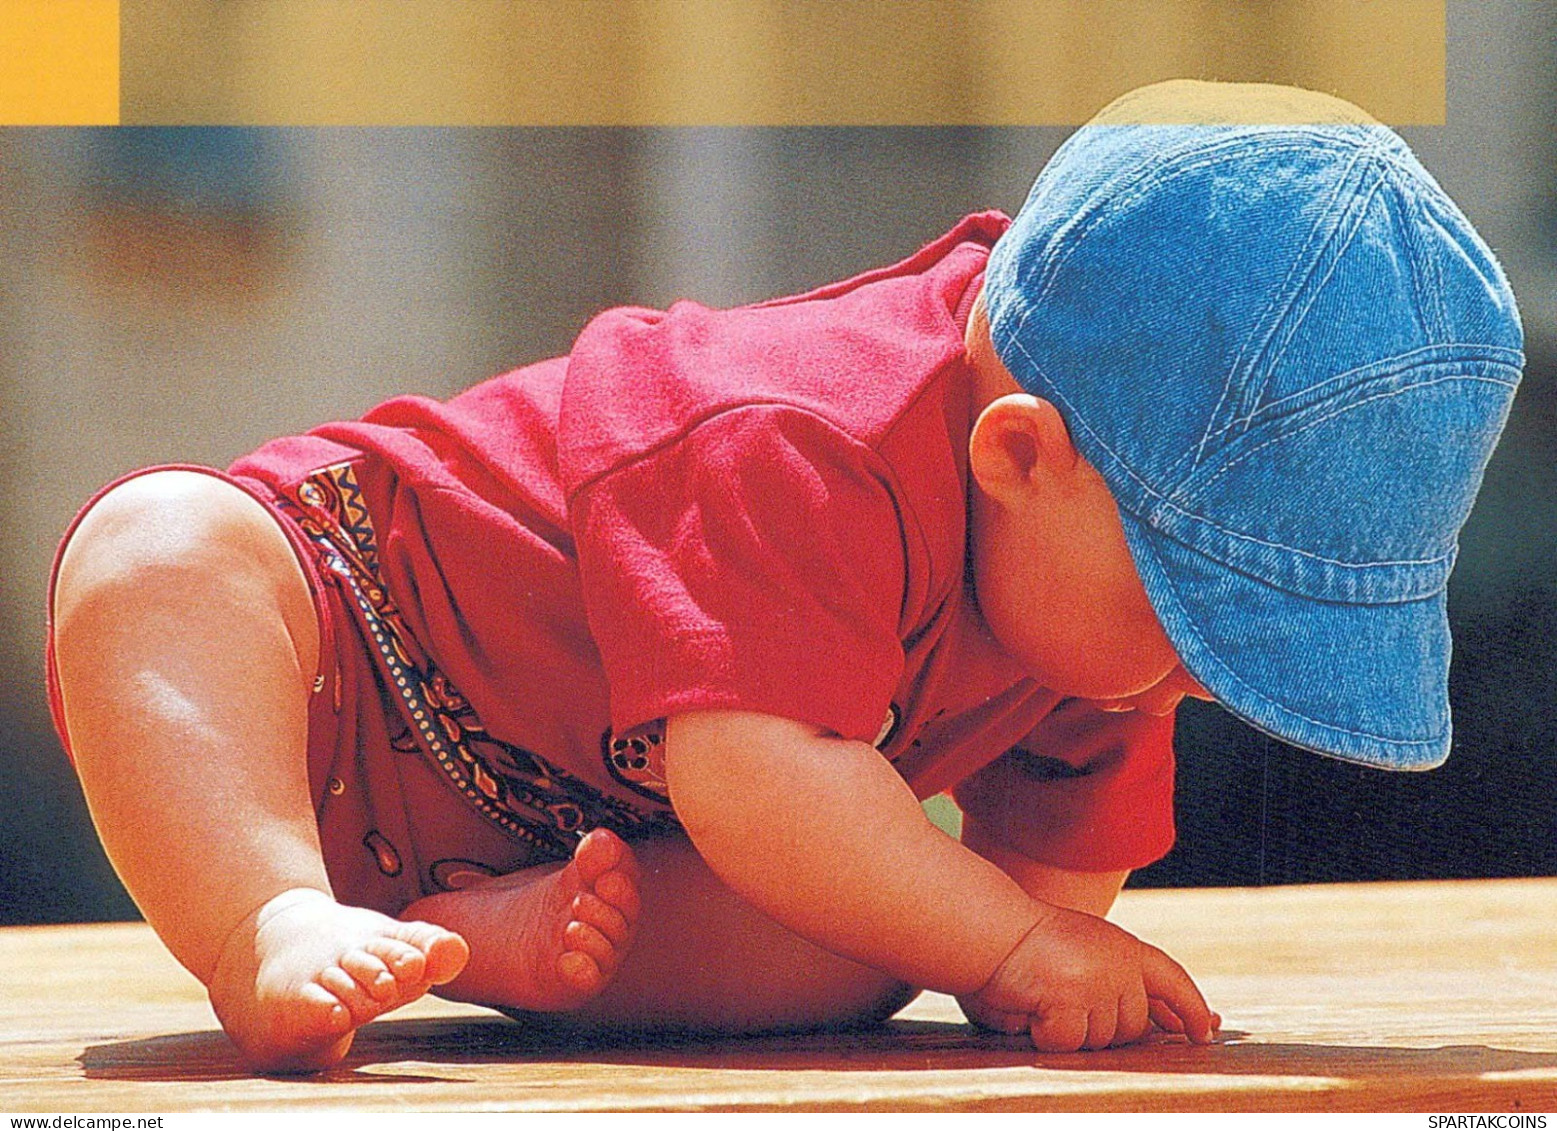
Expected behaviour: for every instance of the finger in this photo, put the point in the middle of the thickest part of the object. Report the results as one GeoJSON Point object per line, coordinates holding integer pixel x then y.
{"type": "Point", "coordinates": [1134, 1018]}
{"type": "Point", "coordinates": [1102, 1024]}
{"type": "Point", "coordinates": [1163, 1017]}
{"type": "Point", "coordinates": [995, 1020]}
{"type": "Point", "coordinates": [1167, 980]}
{"type": "Point", "coordinates": [1060, 1029]}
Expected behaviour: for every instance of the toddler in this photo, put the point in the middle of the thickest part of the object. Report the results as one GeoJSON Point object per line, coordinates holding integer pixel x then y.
{"type": "Point", "coordinates": [611, 686]}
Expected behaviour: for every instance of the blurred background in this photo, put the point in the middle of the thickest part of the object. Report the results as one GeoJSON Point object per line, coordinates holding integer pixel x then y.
{"type": "Point", "coordinates": [182, 294]}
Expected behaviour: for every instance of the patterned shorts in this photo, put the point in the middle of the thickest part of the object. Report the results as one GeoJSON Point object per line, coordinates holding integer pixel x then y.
{"type": "Point", "coordinates": [412, 793]}
{"type": "Point", "coordinates": [540, 808]}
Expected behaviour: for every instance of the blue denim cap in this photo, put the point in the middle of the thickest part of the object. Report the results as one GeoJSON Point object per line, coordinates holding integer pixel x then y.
{"type": "Point", "coordinates": [1290, 356]}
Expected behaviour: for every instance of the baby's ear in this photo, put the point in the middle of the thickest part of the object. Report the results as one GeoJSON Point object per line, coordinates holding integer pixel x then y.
{"type": "Point", "coordinates": [1018, 442]}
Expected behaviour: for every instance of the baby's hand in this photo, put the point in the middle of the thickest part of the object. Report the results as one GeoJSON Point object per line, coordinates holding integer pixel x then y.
{"type": "Point", "coordinates": [1076, 981]}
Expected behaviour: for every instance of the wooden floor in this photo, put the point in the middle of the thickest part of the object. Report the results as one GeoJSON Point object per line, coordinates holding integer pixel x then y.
{"type": "Point", "coordinates": [1396, 997]}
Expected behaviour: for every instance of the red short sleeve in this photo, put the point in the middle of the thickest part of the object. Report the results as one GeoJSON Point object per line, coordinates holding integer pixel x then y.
{"type": "Point", "coordinates": [756, 563]}
{"type": "Point", "coordinates": [1087, 790]}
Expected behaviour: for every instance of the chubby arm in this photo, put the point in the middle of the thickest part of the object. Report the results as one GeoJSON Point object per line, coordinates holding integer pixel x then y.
{"type": "Point", "coordinates": [821, 834]}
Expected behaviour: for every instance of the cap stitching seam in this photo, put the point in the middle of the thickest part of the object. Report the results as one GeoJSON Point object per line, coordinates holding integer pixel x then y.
{"type": "Point", "coordinates": [1268, 323]}
{"type": "Point", "coordinates": [1161, 501]}
{"type": "Point", "coordinates": [1160, 171]}
{"type": "Point", "coordinates": [1151, 176]}
{"type": "Point", "coordinates": [1210, 653]}
{"type": "Point", "coordinates": [1430, 296]}
{"type": "Point", "coordinates": [1361, 372]}
{"type": "Point", "coordinates": [1168, 504]}
{"type": "Point", "coordinates": [1157, 169]}
{"type": "Point", "coordinates": [1233, 370]}
{"type": "Point", "coordinates": [1202, 488]}
{"type": "Point", "coordinates": [1076, 418]}
{"type": "Point", "coordinates": [1241, 423]}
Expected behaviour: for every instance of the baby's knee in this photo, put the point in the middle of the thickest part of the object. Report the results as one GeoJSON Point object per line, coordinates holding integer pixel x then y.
{"type": "Point", "coordinates": [157, 530]}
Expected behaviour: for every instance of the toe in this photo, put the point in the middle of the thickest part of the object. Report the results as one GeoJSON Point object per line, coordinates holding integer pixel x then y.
{"type": "Point", "coordinates": [414, 932]}
{"type": "Point", "coordinates": [327, 1016]}
{"type": "Point", "coordinates": [585, 939]}
{"type": "Point", "coordinates": [627, 863]}
{"type": "Point", "coordinates": [405, 963]}
{"type": "Point", "coordinates": [446, 957]}
{"type": "Point", "coordinates": [579, 971]}
{"type": "Point", "coordinates": [600, 851]}
{"type": "Point", "coordinates": [619, 889]}
{"type": "Point", "coordinates": [444, 953]}
{"type": "Point", "coordinates": [590, 908]}
{"type": "Point", "coordinates": [370, 973]}
{"type": "Point", "coordinates": [362, 1007]}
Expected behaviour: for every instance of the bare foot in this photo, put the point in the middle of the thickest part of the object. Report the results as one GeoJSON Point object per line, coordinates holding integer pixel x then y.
{"type": "Point", "coordinates": [296, 980]}
{"type": "Point", "coordinates": [545, 939]}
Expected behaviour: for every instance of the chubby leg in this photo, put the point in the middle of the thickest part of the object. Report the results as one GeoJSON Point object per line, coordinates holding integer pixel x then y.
{"type": "Point", "coordinates": [698, 959]}
{"type": "Point", "coordinates": [186, 645]}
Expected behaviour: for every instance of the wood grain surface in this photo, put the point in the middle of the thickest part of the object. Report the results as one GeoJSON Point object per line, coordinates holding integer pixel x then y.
{"type": "Point", "coordinates": [1393, 997]}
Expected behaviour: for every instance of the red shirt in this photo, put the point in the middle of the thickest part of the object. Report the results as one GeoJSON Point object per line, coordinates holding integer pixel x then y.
{"type": "Point", "coordinates": [760, 509]}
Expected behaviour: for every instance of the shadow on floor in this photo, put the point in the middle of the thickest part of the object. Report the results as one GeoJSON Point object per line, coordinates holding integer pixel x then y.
{"type": "Point", "coordinates": [421, 1050]}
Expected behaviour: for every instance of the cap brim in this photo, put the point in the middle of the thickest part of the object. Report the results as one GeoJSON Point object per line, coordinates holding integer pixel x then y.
{"type": "Point", "coordinates": [1363, 683]}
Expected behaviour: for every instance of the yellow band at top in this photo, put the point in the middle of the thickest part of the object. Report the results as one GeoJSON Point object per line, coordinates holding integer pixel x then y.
{"type": "Point", "coordinates": [59, 62]}
{"type": "Point", "coordinates": [691, 62]}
